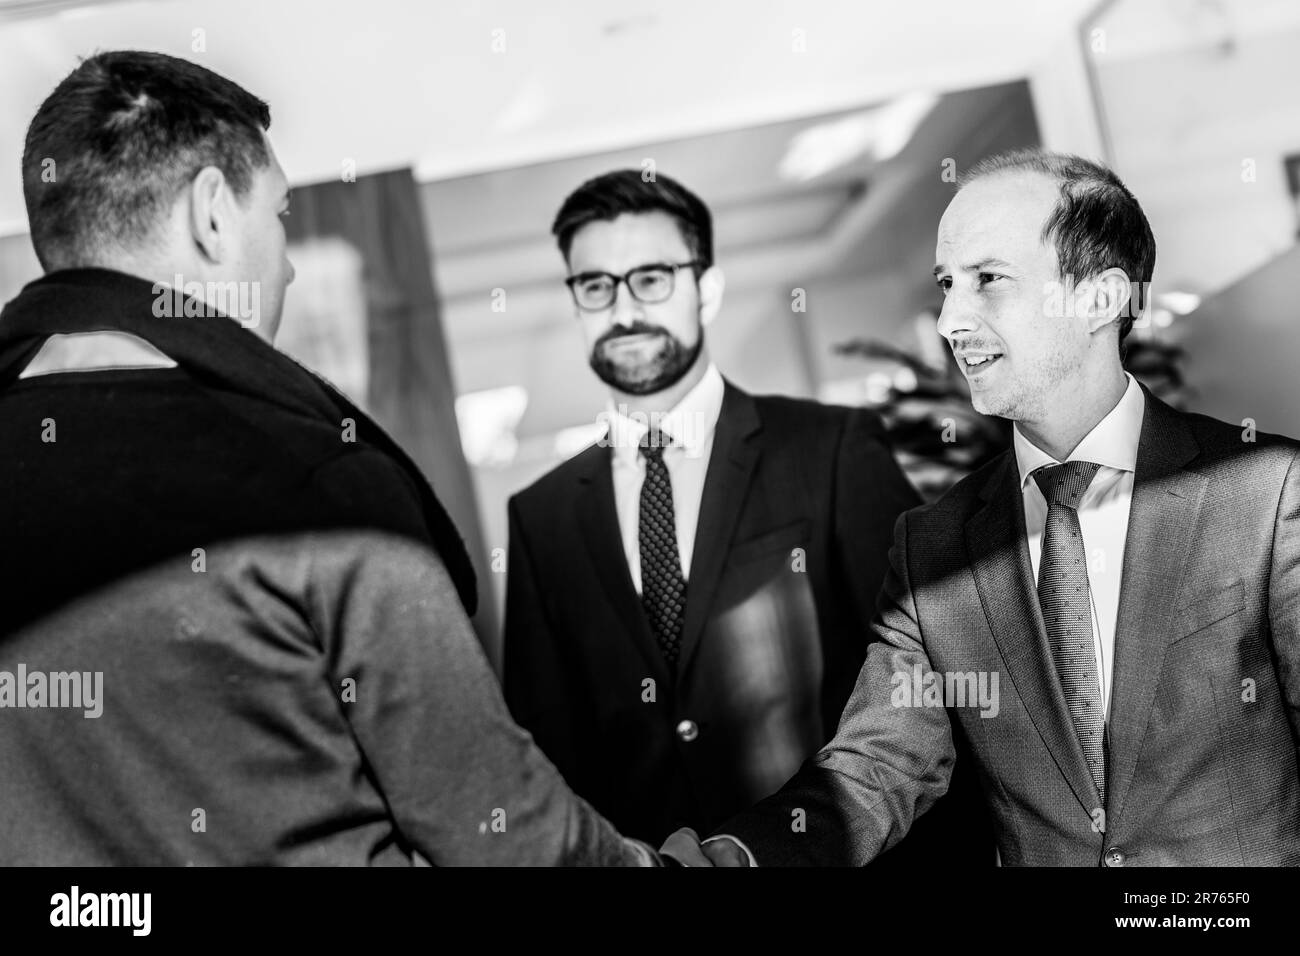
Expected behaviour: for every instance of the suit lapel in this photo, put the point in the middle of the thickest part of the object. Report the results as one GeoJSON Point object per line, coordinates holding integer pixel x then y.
{"type": "Point", "coordinates": [1163, 516]}
{"type": "Point", "coordinates": [598, 521]}
{"type": "Point", "coordinates": [731, 465]}
{"type": "Point", "coordinates": [999, 559]}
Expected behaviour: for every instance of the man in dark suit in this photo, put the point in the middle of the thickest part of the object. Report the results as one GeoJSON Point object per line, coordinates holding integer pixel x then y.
{"type": "Point", "coordinates": [1125, 580]}
{"type": "Point", "coordinates": [688, 599]}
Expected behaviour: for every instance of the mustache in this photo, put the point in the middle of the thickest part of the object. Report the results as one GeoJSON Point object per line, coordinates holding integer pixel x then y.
{"type": "Point", "coordinates": [975, 345]}
{"type": "Point", "coordinates": [636, 328]}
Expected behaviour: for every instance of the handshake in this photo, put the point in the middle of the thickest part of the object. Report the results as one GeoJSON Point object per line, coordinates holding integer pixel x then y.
{"type": "Point", "coordinates": [684, 848]}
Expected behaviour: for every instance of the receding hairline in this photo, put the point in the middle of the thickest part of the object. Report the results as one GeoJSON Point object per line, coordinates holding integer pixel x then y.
{"type": "Point", "coordinates": [1048, 177]}
{"type": "Point", "coordinates": [1053, 194]}
{"type": "Point", "coordinates": [1051, 183]}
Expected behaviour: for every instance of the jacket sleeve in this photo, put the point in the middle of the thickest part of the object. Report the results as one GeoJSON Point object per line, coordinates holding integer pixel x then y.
{"type": "Point", "coordinates": [464, 784]}
{"type": "Point", "coordinates": [1284, 592]}
{"type": "Point", "coordinates": [538, 691]}
{"type": "Point", "coordinates": [887, 764]}
{"type": "Point", "coordinates": [871, 491]}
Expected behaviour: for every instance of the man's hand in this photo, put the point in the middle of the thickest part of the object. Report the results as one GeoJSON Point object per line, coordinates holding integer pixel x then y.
{"type": "Point", "coordinates": [684, 846]}
{"type": "Point", "coordinates": [725, 851]}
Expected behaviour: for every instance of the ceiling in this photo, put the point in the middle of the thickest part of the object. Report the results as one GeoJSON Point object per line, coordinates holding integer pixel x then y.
{"type": "Point", "coordinates": [1132, 29]}
{"type": "Point", "coordinates": [457, 87]}
{"type": "Point", "coordinates": [492, 230]}
{"type": "Point", "coordinates": [868, 216]}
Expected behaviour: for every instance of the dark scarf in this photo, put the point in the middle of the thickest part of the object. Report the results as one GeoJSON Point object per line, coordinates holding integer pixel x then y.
{"type": "Point", "coordinates": [217, 352]}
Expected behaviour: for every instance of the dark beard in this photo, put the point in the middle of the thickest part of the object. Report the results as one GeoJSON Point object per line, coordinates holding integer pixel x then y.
{"type": "Point", "coordinates": [665, 370]}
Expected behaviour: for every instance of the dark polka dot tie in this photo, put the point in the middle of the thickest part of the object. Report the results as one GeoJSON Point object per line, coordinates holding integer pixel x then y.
{"type": "Point", "coordinates": [663, 589]}
{"type": "Point", "coordinates": [1063, 594]}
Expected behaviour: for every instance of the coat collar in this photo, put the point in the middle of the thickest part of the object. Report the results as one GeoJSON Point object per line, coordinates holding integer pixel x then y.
{"type": "Point", "coordinates": [1163, 517]}
{"type": "Point", "coordinates": [217, 352]}
{"type": "Point", "coordinates": [736, 451]}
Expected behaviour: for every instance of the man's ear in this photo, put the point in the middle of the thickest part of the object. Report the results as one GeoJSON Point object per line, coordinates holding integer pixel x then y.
{"type": "Point", "coordinates": [209, 213]}
{"type": "Point", "coordinates": [1107, 299]}
{"type": "Point", "coordinates": [712, 284]}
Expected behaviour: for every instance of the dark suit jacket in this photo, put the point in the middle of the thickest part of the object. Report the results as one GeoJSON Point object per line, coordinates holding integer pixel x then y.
{"type": "Point", "coordinates": [789, 554]}
{"type": "Point", "coordinates": [1206, 684]}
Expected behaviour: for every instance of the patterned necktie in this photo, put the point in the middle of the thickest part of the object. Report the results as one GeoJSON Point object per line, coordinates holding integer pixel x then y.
{"type": "Point", "coordinates": [663, 589]}
{"type": "Point", "coordinates": [1063, 594]}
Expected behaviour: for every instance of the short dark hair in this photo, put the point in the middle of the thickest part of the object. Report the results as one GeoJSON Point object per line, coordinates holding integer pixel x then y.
{"type": "Point", "coordinates": [1096, 225]}
{"type": "Point", "coordinates": [121, 136]}
{"type": "Point", "coordinates": [628, 190]}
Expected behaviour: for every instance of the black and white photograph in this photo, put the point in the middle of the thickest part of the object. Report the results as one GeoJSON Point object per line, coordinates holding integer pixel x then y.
{"type": "Point", "coordinates": [849, 435]}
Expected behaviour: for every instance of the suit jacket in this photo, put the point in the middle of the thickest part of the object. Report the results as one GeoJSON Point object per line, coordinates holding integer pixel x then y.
{"type": "Point", "coordinates": [1202, 764]}
{"type": "Point", "coordinates": [789, 554]}
{"type": "Point", "coordinates": [320, 697]}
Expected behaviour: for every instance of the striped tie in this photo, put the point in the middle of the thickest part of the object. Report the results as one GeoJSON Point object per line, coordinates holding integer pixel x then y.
{"type": "Point", "coordinates": [1063, 594]}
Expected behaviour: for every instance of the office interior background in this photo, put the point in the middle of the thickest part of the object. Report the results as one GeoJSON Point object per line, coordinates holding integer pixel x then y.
{"type": "Point", "coordinates": [430, 144]}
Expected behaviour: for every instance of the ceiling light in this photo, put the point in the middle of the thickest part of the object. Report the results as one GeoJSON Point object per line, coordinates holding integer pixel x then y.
{"type": "Point", "coordinates": [881, 133]}
{"type": "Point", "coordinates": [1179, 303]}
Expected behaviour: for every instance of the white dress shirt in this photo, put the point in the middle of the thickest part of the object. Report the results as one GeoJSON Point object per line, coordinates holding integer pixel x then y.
{"type": "Point", "coordinates": [691, 424]}
{"type": "Point", "coordinates": [93, 352]}
{"type": "Point", "coordinates": [1103, 514]}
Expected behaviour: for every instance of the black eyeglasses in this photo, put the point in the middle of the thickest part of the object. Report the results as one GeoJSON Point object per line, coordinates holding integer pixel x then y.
{"type": "Point", "coordinates": [594, 291]}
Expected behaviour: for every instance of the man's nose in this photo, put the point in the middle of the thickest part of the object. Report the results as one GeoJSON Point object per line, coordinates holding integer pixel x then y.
{"type": "Point", "coordinates": [626, 310]}
{"type": "Point", "coordinates": [957, 317]}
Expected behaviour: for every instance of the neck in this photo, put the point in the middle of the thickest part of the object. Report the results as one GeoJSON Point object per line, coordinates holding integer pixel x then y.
{"type": "Point", "coordinates": [189, 277]}
{"type": "Point", "coordinates": [664, 401]}
{"type": "Point", "coordinates": [149, 268]}
{"type": "Point", "coordinates": [1075, 411]}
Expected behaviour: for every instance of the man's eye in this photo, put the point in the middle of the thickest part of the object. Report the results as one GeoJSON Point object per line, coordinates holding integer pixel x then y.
{"type": "Point", "coordinates": [597, 284]}
{"type": "Point", "coordinates": [987, 277]}
{"type": "Point", "coordinates": [944, 283]}
{"type": "Point", "coordinates": [650, 281]}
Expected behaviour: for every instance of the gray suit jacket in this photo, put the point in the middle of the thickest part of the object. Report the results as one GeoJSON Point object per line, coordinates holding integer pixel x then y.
{"type": "Point", "coordinates": [1205, 712]}
{"type": "Point", "coordinates": [310, 699]}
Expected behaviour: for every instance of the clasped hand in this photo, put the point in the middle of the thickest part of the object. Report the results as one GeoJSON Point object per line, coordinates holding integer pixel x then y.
{"type": "Point", "coordinates": [685, 847]}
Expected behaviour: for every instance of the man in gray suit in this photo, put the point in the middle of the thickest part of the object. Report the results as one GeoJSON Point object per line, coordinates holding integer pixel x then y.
{"type": "Point", "coordinates": [1109, 613]}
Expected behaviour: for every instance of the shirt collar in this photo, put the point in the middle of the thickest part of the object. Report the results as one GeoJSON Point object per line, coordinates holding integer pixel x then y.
{"type": "Point", "coordinates": [1113, 441]}
{"type": "Point", "coordinates": [691, 422]}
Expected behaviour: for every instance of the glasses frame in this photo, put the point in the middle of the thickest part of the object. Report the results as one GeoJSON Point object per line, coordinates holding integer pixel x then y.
{"type": "Point", "coordinates": [626, 279]}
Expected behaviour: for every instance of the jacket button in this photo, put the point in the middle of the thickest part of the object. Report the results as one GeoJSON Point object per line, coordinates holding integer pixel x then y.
{"type": "Point", "coordinates": [687, 730]}
{"type": "Point", "coordinates": [1114, 856]}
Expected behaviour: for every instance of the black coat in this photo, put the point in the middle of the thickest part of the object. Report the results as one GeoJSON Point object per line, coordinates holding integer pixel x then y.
{"type": "Point", "coordinates": [237, 440]}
